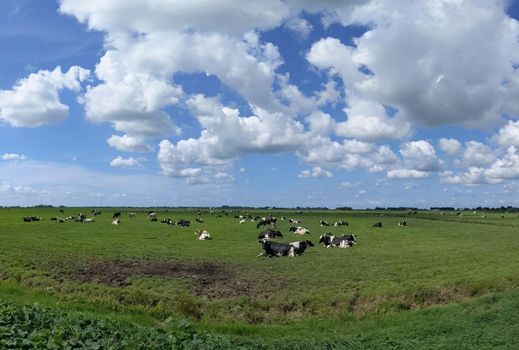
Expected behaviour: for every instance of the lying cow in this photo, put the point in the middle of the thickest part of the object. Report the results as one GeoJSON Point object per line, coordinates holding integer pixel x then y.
{"type": "Point", "coordinates": [269, 234]}
{"type": "Point", "coordinates": [183, 223]}
{"type": "Point", "coordinates": [343, 241]}
{"type": "Point", "coordinates": [116, 215]}
{"type": "Point", "coordinates": [340, 223]}
{"type": "Point", "coordinates": [167, 221]}
{"type": "Point", "coordinates": [323, 223]}
{"type": "Point", "coordinates": [271, 249]}
{"type": "Point", "coordinates": [377, 224]}
{"type": "Point", "coordinates": [203, 235]}
{"type": "Point", "coordinates": [298, 230]}
{"type": "Point", "coordinates": [152, 216]}
{"type": "Point", "coordinates": [199, 220]}
{"type": "Point", "coordinates": [402, 223]}
{"type": "Point", "coordinates": [116, 221]}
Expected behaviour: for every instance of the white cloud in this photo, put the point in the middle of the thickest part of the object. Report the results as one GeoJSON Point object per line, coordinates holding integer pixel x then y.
{"type": "Point", "coordinates": [450, 146]}
{"type": "Point", "coordinates": [477, 154]}
{"type": "Point", "coordinates": [315, 172]}
{"type": "Point", "coordinates": [121, 162]}
{"type": "Point", "coordinates": [420, 155]}
{"type": "Point", "coordinates": [34, 101]}
{"type": "Point", "coordinates": [13, 156]}
{"type": "Point", "coordinates": [401, 174]}
{"type": "Point", "coordinates": [509, 134]}
{"type": "Point", "coordinates": [507, 167]}
{"type": "Point", "coordinates": [346, 185]}
{"type": "Point", "coordinates": [128, 143]}
{"type": "Point", "coordinates": [300, 27]}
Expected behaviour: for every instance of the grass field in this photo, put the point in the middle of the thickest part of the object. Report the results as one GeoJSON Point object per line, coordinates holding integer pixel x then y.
{"type": "Point", "coordinates": [444, 281]}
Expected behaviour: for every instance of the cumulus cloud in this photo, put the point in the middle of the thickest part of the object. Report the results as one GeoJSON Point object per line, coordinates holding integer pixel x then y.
{"type": "Point", "coordinates": [450, 146]}
{"type": "Point", "coordinates": [420, 155]}
{"type": "Point", "coordinates": [128, 143]}
{"type": "Point", "coordinates": [315, 172]}
{"type": "Point", "coordinates": [13, 156]}
{"type": "Point", "coordinates": [121, 162]}
{"type": "Point", "coordinates": [477, 154]}
{"type": "Point", "coordinates": [34, 101]}
{"type": "Point", "coordinates": [509, 134]}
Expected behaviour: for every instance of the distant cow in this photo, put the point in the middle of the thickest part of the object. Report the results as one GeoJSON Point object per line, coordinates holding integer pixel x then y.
{"type": "Point", "coordinates": [323, 223]}
{"type": "Point", "coordinates": [96, 212]}
{"type": "Point", "coordinates": [269, 233]}
{"type": "Point", "coordinates": [167, 221]}
{"type": "Point", "coordinates": [402, 223]}
{"type": "Point", "coordinates": [132, 215]}
{"type": "Point", "coordinates": [343, 241]}
{"type": "Point", "coordinates": [116, 215]}
{"type": "Point", "coordinates": [340, 223]}
{"type": "Point", "coordinates": [89, 220]}
{"type": "Point", "coordinates": [31, 218]}
{"type": "Point", "coordinates": [116, 221]}
{"type": "Point", "coordinates": [61, 211]}
{"type": "Point", "coordinates": [377, 224]}
{"type": "Point", "coordinates": [203, 235]}
{"type": "Point", "coordinates": [183, 223]}
{"type": "Point", "coordinates": [199, 220]}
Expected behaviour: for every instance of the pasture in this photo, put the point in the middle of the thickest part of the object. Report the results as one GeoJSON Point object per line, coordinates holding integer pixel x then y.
{"type": "Point", "coordinates": [442, 281]}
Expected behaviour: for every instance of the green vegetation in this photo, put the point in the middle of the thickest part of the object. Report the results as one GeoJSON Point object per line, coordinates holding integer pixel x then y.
{"type": "Point", "coordinates": [443, 281]}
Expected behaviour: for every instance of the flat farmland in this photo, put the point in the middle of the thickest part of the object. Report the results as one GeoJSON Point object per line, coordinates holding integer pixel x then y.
{"type": "Point", "coordinates": [443, 281]}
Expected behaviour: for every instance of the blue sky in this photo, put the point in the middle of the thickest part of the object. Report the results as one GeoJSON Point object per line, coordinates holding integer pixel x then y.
{"type": "Point", "coordinates": [359, 103]}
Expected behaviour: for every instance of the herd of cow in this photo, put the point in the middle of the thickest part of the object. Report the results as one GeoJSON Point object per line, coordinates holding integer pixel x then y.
{"type": "Point", "coordinates": [266, 237]}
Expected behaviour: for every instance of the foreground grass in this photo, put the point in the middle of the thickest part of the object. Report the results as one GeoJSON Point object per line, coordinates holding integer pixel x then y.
{"type": "Point", "coordinates": [391, 288]}
{"type": "Point", "coordinates": [488, 322]}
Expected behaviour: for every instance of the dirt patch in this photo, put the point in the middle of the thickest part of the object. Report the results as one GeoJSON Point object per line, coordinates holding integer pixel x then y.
{"type": "Point", "coordinates": [211, 279]}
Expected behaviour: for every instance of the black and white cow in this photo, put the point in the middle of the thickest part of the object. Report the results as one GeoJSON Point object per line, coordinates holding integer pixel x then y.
{"type": "Point", "coordinates": [298, 230]}
{"type": "Point", "coordinates": [377, 224]}
{"type": "Point", "coordinates": [31, 218]}
{"type": "Point", "coordinates": [199, 220]}
{"type": "Point", "coordinates": [343, 241]}
{"type": "Point", "coordinates": [269, 233]}
{"type": "Point", "coordinates": [96, 212]}
{"type": "Point", "coordinates": [116, 215]}
{"type": "Point", "coordinates": [323, 223]}
{"type": "Point", "coordinates": [271, 249]}
{"type": "Point", "coordinates": [167, 221]}
{"type": "Point", "coordinates": [340, 223]}
{"type": "Point", "coordinates": [402, 223]}
{"type": "Point", "coordinates": [267, 221]}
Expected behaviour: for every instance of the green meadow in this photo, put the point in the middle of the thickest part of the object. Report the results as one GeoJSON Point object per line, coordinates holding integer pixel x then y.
{"type": "Point", "coordinates": [444, 281]}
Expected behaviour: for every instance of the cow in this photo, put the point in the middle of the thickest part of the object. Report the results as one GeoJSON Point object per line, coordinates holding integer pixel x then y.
{"type": "Point", "coordinates": [53, 219]}
{"type": "Point", "coordinates": [343, 241]}
{"type": "Point", "coordinates": [242, 221]}
{"type": "Point", "coordinates": [298, 248]}
{"type": "Point", "coordinates": [402, 223]}
{"type": "Point", "coordinates": [96, 212]}
{"type": "Point", "coordinates": [116, 221]}
{"type": "Point", "coordinates": [340, 223]}
{"type": "Point", "coordinates": [90, 220]}
{"type": "Point", "coordinates": [203, 235]}
{"type": "Point", "coordinates": [199, 220]}
{"type": "Point", "coordinates": [269, 233]}
{"type": "Point", "coordinates": [80, 217]}
{"type": "Point", "coordinates": [377, 224]}
{"type": "Point", "coordinates": [167, 221]}
{"type": "Point", "coordinates": [323, 223]}
{"type": "Point", "coordinates": [266, 221]}
{"type": "Point", "coordinates": [294, 221]}
{"type": "Point", "coordinates": [183, 223]}
{"type": "Point", "coordinates": [152, 216]}
{"type": "Point", "coordinates": [116, 215]}
{"type": "Point", "coordinates": [132, 215]}
{"type": "Point", "coordinates": [61, 211]}
{"type": "Point", "coordinates": [298, 230]}
{"type": "Point", "coordinates": [271, 249]}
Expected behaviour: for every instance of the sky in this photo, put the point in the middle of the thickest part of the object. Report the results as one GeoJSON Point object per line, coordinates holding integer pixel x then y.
{"type": "Point", "coordinates": [360, 103]}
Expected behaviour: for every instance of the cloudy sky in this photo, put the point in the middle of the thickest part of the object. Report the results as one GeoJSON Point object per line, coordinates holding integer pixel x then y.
{"type": "Point", "coordinates": [358, 103]}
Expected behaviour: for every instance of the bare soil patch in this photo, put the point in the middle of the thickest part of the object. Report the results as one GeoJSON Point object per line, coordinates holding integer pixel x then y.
{"type": "Point", "coordinates": [212, 280]}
